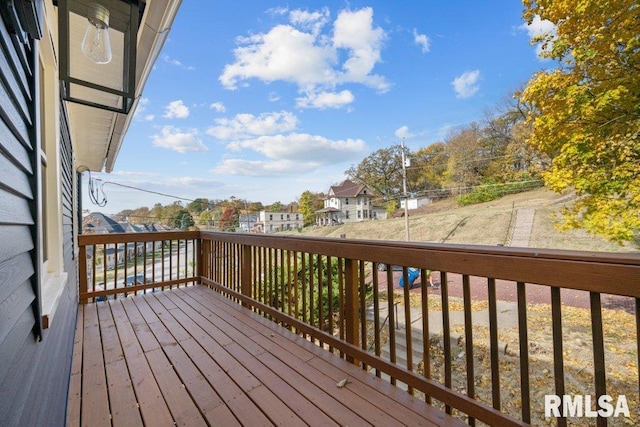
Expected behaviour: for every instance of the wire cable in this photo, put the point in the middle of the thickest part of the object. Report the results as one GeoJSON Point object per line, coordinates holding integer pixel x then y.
{"type": "Point", "coordinates": [144, 190]}
{"type": "Point", "coordinates": [96, 193]}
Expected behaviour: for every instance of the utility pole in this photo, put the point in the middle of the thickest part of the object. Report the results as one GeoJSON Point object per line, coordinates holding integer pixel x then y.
{"type": "Point", "coordinates": [404, 193]}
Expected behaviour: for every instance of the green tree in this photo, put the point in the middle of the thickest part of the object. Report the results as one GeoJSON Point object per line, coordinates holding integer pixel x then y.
{"type": "Point", "coordinates": [380, 171]}
{"type": "Point", "coordinates": [198, 205]}
{"type": "Point", "coordinates": [308, 204]}
{"type": "Point", "coordinates": [586, 112]}
{"type": "Point", "coordinates": [182, 219]}
{"type": "Point", "coordinates": [275, 207]}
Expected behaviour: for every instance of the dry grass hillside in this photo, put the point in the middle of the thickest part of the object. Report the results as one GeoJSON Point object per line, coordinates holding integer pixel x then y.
{"type": "Point", "coordinates": [488, 223]}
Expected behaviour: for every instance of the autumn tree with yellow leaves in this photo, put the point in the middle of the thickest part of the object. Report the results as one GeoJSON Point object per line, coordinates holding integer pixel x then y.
{"type": "Point", "coordinates": [586, 112]}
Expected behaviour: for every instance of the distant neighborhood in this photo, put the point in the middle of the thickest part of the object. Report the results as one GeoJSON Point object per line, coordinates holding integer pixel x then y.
{"type": "Point", "coordinates": [343, 203]}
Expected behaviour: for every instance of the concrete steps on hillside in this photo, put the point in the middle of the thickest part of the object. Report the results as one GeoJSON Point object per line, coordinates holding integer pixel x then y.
{"type": "Point", "coordinates": [506, 313]}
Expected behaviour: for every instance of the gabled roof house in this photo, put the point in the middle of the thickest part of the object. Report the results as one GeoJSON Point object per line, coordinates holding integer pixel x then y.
{"type": "Point", "coordinates": [52, 129]}
{"type": "Point", "coordinates": [347, 202]}
{"type": "Point", "coordinates": [99, 223]}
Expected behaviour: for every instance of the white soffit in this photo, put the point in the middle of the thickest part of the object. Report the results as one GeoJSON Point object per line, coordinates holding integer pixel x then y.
{"type": "Point", "coordinates": [98, 134]}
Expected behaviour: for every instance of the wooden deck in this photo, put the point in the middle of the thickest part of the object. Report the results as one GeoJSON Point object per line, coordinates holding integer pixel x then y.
{"type": "Point", "coordinates": [191, 357]}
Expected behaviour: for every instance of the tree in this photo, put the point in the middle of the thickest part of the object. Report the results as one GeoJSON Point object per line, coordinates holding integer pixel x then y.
{"type": "Point", "coordinates": [228, 219]}
{"type": "Point", "coordinates": [428, 167]}
{"type": "Point", "coordinates": [308, 204]}
{"type": "Point", "coordinates": [380, 171]}
{"type": "Point", "coordinates": [198, 205]}
{"type": "Point", "coordinates": [467, 160]}
{"type": "Point", "coordinates": [586, 112]}
{"type": "Point", "coordinates": [275, 207]}
{"type": "Point", "coordinates": [182, 219]}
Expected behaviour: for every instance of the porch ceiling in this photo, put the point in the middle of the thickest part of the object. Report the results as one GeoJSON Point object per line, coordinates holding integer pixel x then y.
{"type": "Point", "coordinates": [98, 134]}
{"type": "Point", "coordinates": [191, 356]}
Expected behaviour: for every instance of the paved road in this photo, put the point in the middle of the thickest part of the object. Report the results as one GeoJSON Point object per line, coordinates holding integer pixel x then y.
{"type": "Point", "coordinates": [506, 291]}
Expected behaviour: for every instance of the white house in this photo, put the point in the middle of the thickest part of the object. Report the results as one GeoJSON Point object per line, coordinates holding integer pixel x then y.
{"type": "Point", "coordinates": [348, 202]}
{"type": "Point", "coordinates": [271, 222]}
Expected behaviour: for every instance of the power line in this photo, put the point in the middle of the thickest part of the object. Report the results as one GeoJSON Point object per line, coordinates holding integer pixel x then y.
{"type": "Point", "coordinates": [144, 190]}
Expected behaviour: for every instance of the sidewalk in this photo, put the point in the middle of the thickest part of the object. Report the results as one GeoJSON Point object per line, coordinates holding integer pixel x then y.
{"type": "Point", "coordinates": [507, 316]}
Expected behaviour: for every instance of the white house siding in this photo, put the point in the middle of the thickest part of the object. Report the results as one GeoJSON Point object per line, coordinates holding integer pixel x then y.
{"type": "Point", "coordinates": [279, 221]}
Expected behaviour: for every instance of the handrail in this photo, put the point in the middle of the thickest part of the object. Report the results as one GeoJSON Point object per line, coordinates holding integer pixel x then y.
{"type": "Point", "coordinates": [579, 270]}
{"type": "Point", "coordinates": [322, 287]}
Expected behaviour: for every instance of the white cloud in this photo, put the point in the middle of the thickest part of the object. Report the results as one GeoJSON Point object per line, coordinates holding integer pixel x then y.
{"type": "Point", "coordinates": [313, 21]}
{"type": "Point", "coordinates": [261, 168]}
{"type": "Point", "coordinates": [305, 53]}
{"type": "Point", "coordinates": [403, 132]}
{"type": "Point", "coordinates": [305, 147]}
{"type": "Point", "coordinates": [466, 85]}
{"type": "Point", "coordinates": [284, 53]}
{"type": "Point", "coordinates": [325, 100]}
{"type": "Point", "coordinates": [141, 107]}
{"type": "Point", "coordinates": [291, 154]}
{"type": "Point", "coordinates": [277, 11]}
{"type": "Point", "coordinates": [149, 117]}
{"type": "Point", "coordinates": [421, 40]}
{"type": "Point", "coordinates": [540, 27]}
{"type": "Point", "coordinates": [176, 110]}
{"type": "Point", "coordinates": [218, 106]}
{"type": "Point", "coordinates": [274, 97]}
{"type": "Point", "coordinates": [354, 31]}
{"type": "Point", "coordinates": [178, 140]}
{"type": "Point", "coordinates": [248, 125]}
{"type": "Point", "coordinates": [175, 62]}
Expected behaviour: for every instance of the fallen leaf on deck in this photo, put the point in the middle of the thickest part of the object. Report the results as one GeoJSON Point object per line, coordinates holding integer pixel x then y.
{"type": "Point", "coordinates": [342, 383]}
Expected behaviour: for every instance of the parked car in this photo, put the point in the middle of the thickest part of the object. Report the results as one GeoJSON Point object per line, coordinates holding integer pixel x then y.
{"type": "Point", "coordinates": [100, 287]}
{"type": "Point", "coordinates": [383, 267]}
{"type": "Point", "coordinates": [132, 280]}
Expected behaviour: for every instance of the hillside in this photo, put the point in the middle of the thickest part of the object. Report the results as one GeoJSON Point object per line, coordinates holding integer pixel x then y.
{"type": "Point", "coordinates": [488, 223]}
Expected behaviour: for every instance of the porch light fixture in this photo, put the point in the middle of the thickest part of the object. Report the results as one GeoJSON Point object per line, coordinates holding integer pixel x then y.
{"type": "Point", "coordinates": [97, 45]}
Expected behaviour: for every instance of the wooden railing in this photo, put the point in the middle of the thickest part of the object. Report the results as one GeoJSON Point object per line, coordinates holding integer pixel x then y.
{"type": "Point", "coordinates": [332, 292]}
{"type": "Point", "coordinates": [116, 265]}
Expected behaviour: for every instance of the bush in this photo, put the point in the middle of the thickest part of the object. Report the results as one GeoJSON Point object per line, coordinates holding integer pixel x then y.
{"type": "Point", "coordinates": [486, 193]}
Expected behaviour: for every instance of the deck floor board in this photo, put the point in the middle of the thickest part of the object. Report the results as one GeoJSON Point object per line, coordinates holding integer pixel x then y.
{"type": "Point", "coordinates": [190, 356]}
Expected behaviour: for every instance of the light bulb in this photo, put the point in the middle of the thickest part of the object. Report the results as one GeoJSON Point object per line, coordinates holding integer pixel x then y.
{"type": "Point", "coordinates": [95, 44]}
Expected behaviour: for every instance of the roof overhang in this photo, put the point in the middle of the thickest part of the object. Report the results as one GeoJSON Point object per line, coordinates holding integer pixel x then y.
{"type": "Point", "coordinates": [98, 133]}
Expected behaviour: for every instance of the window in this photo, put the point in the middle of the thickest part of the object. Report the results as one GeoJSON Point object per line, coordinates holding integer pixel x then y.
{"type": "Point", "coordinates": [270, 217]}
{"type": "Point", "coordinates": [51, 238]}
{"type": "Point", "coordinates": [287, 216]}
{"type": "Point", "coordinates": [346, 201]}
{"type": "Point", "coordinates": [359, 214]}
{"type": "Point", "coordinates": [346, 214]}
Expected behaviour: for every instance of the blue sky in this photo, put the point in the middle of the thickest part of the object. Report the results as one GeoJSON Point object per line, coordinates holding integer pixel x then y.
{"type": "Point", "coordinates": [264, 100]}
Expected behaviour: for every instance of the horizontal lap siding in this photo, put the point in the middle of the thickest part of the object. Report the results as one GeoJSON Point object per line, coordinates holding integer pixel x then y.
{"type": "Point", "coordinates": [34, 375]}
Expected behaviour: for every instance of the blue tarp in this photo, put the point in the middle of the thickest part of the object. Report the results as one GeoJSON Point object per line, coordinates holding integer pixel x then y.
{"type": "Point", "coordinates": [413, 274]}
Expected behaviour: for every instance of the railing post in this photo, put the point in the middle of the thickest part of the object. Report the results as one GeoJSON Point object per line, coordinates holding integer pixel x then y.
{"type": "Point", "coordinates": [82, 272]}
{"type": "Point", "coordinates": [245, 272]}
{"type": "Point", "coordinates": [199, 258]}
{"type": "Point", "coordinates": [352, 333]}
